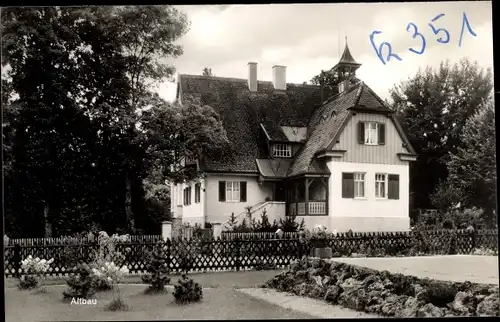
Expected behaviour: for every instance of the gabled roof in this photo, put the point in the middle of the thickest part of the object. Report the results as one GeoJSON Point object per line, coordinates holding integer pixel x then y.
{"type": "Point", "coordinates": [327, 124]}
{"type": "Point", "coordinates": [242, 113]}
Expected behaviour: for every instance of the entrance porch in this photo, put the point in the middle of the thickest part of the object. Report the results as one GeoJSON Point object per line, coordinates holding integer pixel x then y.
{"type": "Point", "coordinates": [307, 196]}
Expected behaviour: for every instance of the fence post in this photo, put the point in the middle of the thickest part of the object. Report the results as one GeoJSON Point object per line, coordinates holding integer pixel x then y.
{"type": "Point", "coordinates": [17, 260]}
{"type": "Point", "coordinates": [166, 230]}
{"type": "Point", "coordinates": [217, 230]}
{"type": "Point", "coordinates": [238, 252]}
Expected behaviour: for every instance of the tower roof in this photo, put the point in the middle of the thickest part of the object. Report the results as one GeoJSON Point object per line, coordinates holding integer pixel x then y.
{"type": "Point", "coordinates": [347, 57]}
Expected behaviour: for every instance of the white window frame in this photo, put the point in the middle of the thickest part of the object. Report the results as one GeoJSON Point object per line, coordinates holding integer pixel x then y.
{"type": "Point", "coordinates": [371, 133]}
{"type": "Point", "coordinates": [281, 150]}
{"type": "Point", "coordinates": [381, 178]}
{"type": "Point", "coordinates": [233, 191]}
{"type": "Point", "coordinates": [359, 181]}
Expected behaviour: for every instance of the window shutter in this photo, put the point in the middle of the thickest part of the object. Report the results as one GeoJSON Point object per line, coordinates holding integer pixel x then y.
{"type": "Point", "coordinates": [361, 132]}
{"type": "Point", "coordinates": [185, 196]}
{"type": "Point", "coordinates": [243, 191]}
{"type": "Point", "coordinates": [393, 192]}
{"type": "Point", "coordinates": [189, 195]}
{"type": "Point", "coordinates": [381, 133]}
{"type": "Point", "coordinates": [222, 191]}
{"type": "Point", "coordinates": [347, 185]}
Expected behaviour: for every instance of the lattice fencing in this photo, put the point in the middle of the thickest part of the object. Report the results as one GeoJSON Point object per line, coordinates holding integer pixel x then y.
{"type": "Point", "coordinates": [201, 255]}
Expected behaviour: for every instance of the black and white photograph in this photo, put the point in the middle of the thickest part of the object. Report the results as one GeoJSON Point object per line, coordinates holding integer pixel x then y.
{"type": "Point", "coordinates": [257, 161]}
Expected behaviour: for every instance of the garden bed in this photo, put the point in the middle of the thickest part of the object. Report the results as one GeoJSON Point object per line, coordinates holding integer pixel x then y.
{"type": "Point", "coordinates": [384, 293]}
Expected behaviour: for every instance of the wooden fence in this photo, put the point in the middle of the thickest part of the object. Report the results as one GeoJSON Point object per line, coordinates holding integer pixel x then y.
{"type": "Point", "coordinates": [266, 235]}
{"type": "Point", "coordinates": [246, 252]}
{"type": "Point", "coordinates": [76, 240]}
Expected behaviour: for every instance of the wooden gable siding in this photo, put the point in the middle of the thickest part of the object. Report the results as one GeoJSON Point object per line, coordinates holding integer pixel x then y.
{"type": "Point", "coordinates": [378, 154]}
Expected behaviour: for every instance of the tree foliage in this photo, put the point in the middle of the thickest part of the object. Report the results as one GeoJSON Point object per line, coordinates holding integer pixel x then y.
{"type": "Point", "coordinates": [85, 141]}
{"type": "Point", "coordinates": [434, 107]}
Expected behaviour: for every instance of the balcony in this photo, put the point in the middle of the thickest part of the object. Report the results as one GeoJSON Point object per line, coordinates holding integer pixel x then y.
{"type": "Point", "coordinates": [315, 208]}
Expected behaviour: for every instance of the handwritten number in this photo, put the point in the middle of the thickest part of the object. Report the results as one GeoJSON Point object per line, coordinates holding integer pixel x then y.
{"type": "Point", "coordinates": [378, 50]}
{"type": "Point", "coordinates": [415, 35]}
{"type": "Point", "coordinates": [437, 31]}
{"type": "Point", "coordinates": [465, 21]}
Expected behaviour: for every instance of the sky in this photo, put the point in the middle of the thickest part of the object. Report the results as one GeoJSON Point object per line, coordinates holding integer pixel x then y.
{"type": "Point", "coordinates": [308, 38]}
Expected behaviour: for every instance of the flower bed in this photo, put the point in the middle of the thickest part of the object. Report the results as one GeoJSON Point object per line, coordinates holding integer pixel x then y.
{"type": "Point", "coordinates": [383, 293]}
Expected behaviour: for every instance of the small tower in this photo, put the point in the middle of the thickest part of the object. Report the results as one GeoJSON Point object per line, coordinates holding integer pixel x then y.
{"type": "Point", "coordinates": [346, 68]}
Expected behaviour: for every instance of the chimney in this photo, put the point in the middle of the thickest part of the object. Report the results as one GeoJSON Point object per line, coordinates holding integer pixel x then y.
{"type": "Point", "coordinates": [252, 77]}
{"type": "Point", "coordinates": [279, 77]}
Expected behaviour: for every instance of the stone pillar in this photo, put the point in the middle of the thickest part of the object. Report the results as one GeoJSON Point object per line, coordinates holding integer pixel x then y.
{"type": "Point", "coordinates": [217, 229]}
{"type": "Point", "coordinates": [176, 227]}
{"type": "Point", "coordinates": [166, 230]}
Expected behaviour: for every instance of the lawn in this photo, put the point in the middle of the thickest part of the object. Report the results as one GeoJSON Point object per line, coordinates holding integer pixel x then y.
{"type": "Point", "coordinates": [217, 303]}
{"type": "Point", "coordinates": [221, 300]}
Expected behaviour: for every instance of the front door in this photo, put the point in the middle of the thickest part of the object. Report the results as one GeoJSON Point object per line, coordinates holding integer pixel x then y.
{"type": "Point", "coordinates": [279, 191]}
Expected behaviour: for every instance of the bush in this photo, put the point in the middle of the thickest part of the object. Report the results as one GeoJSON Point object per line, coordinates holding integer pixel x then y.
{"type": "Point", "coordinates": [27, 282]}
{"type": "Point", "coordinates": [81, 283]}
{"type": "Point", "coordinates": [157, 275]}
{"type": "Point", "coordinates": [384, 293]}
{"type": "Point", "coordinates": [186, 290]}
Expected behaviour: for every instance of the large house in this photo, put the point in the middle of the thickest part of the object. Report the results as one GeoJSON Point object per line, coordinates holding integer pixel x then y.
{"type": "Point", "coordinates": [340, 158]}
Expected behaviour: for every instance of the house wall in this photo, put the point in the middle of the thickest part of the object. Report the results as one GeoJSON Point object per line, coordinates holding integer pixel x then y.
{"type": "Point", "coordinates": [217, 211]}
{"type": "Point", "coordinates": [368, 214]}
{"type": "Point", "coordinates": [378, 154]}
{"type": "Point", "coordinates": [193, 213]}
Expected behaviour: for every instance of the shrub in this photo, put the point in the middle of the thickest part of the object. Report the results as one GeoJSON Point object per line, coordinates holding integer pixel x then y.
{"type": "Point", "coordinates": [27, 282]}
{"type": "Point", "coordinates": [186, 290]}
{"type": "Point", "coordinates": [81, 283]}
{"type": "Point", "coordinates": [157, 275]}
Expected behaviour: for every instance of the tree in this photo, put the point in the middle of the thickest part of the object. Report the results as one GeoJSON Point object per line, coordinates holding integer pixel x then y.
{"type": "Point", "coordinates": [433, 107]}
{"type": "Point", "coordinates": [207, 71]}
{"type": "Point", "coordinates": [472, 168]}
{"type": "Point", "coordinates": [81, 77]}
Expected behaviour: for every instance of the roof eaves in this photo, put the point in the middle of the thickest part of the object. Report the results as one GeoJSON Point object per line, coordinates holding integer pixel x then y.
{"type": "Point", "coordinates": [265, 132]}
{"type": "Point", "coordinates": [346, 120]}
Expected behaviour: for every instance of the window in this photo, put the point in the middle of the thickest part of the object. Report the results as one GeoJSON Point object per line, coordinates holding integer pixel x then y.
{"type": "Point", "coordinates": [381, 185]}
{"type": "Point", "coordinates": [347, 185]}
{"type": "Point", "coordinates": [282, 150]}
{"type": "Point", "coordinates": [187, 196]}
{"type": "Point", "coordinates": [233, 191]}
{"type": "Point", "coordinates": [359, 185]}
{"type": "Point", "coordinates": [197, 193]}
{"type": "Point", "coordinates": [371, 133]}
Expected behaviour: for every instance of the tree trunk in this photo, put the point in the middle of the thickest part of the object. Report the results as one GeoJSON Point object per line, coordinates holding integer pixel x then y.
{"type": "Point", "coordinates": [128, 203]}
{"type": "Point", "coordinates": [48, 225]}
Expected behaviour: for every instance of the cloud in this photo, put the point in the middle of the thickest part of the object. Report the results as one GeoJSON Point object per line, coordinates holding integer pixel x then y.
{"type": "Point", "coordinates": [309, 37]}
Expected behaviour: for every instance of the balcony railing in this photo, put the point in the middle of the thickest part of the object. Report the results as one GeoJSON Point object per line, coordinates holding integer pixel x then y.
{"type": "Point", "coordinates": [315, 208]}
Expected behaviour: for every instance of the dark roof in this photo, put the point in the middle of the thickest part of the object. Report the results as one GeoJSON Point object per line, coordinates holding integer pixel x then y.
{"type": "Point", "coordinates": [347, 57]}
{"type": "Point", "coordinates": [273, 168]}
{"type": "Point", "coordinates": [274, 131]}
{"type": "Point", "coordinates": [327, 123]}
{"type": "Point", "coordinates": [243, 111]}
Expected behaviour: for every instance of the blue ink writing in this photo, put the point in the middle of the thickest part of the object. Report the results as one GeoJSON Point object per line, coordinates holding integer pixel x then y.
{"type": "Point", "coordinates": [465, 21]}
{"type": "Point", "coordinates": [437, 31]}
{"type": "Point", "coordinates": [442, 36]}
{"type": "Point", "coordinates": [415, 35]}
{"type": "Point", "coordinates": [379, 49]}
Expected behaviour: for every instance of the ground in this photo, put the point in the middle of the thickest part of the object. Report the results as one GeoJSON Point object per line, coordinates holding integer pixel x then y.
{"type": "Point", "coordinates": [456, 268]}
{"type": "Point", "coordinates": [234, 295]}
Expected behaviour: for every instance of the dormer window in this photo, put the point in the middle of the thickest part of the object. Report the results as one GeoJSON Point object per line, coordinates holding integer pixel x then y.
{"type": "Point", "coordinates": [282, 150]}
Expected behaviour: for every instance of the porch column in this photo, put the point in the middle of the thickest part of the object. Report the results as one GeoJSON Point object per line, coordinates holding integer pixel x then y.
{"type": "Point", "coordinates": [325, 183]}
{"type": "Point", "coordinates": [306, 186]}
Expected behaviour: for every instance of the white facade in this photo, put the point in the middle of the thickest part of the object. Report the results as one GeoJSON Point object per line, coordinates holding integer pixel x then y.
{"type": "Point", "coordinates": [192, 213]}
{"type": "Point", "coordinates": [357, 214]}
{"type": "Point", "coordinates": [368, 213]}
{"type": "Point", "coordinates": [220, 211]}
